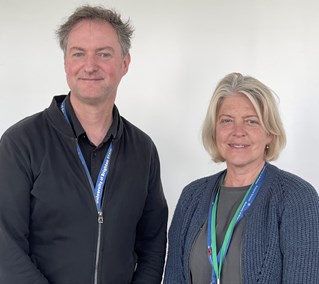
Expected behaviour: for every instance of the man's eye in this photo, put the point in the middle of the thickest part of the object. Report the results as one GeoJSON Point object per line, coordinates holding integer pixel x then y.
{"type": "Point", "coordinates": [78, 54]}
{"type": "Point", "coordinates": [104, 55]}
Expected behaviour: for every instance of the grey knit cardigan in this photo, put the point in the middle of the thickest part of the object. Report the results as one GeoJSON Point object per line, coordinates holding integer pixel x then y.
{"type": "Point", "coordinates": [280, 238]}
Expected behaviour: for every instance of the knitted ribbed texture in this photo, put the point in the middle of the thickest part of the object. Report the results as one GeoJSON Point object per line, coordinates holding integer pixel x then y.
{"type": "Point", "coordinates": [281, 234]}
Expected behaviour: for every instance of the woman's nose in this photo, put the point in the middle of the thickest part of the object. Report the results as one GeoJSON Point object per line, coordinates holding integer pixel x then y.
{"type": "Point", "coordinates": [239, 129]}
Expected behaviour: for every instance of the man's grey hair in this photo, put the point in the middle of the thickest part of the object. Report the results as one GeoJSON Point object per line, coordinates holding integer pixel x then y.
{"type": "Point", "coordinates": [123, 29]}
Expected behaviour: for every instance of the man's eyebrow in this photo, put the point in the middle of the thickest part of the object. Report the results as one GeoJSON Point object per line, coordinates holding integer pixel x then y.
{"type": "Point", "coordinates": [105, 48]}
{"type": "Point", "coordinates": [98, 49]}
{"type": "Point", "coordinates": [77, 48]}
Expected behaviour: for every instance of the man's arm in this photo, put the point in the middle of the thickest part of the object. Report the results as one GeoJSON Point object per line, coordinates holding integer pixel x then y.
{"type": "Point", "coordinates": [151, 238]}
{"type": "Point", "coordinates": [16, 183]}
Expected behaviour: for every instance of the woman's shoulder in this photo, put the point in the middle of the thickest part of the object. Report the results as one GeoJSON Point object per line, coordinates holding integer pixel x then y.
{"type": "Point", "coordinates": [195, 189]}
{"type": "Point", "coordinates": [290, 184]}
{"type": "Point", "coordinates": [201, 183]}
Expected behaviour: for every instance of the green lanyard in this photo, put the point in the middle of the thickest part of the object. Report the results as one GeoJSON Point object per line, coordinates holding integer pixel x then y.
{"type": "Point", "coordinates": [216, 260]}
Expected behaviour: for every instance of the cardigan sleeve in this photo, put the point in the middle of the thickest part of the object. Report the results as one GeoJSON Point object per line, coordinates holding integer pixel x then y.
{"type": "Point", "coordinates": [300, 233]}
{"type": "Point", "coordinates": [176, 270]}
{"type": "Point", "coordinates": [174, 267]}
{"type": "Point", "coordinates": [190, 214]}
{"type": "Point", "coordinates": [16, 182]}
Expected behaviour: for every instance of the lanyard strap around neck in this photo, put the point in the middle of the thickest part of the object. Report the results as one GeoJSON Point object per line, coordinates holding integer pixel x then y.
{"type": "Point", "coordinates": [100, 182]}
{"type": "Point", "coordinates": [216, 260]}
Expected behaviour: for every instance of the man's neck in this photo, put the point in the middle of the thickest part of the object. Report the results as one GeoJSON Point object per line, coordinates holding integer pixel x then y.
{"type": "Point", "coordinates": [95, 119]}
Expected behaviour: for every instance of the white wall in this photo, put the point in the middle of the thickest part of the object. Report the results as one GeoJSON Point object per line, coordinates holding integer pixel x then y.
{"type": "Point", "coordinates": [181, 49]}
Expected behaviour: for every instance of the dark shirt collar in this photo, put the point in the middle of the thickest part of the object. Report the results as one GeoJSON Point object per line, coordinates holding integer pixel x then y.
{"type": "Point", "coordinates": [78, 129]}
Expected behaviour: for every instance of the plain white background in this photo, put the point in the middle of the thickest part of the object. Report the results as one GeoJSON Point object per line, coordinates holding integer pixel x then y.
{"type": "Point", "coordinates": [181, 49]}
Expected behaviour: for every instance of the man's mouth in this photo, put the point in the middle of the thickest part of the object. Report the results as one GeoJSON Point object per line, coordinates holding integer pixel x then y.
{"type": "Point", "coordinates": [91, 79]}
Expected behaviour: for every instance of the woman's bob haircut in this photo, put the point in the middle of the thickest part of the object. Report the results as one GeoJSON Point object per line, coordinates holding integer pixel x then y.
{"type": "Point", "coordinates": [264, 102]}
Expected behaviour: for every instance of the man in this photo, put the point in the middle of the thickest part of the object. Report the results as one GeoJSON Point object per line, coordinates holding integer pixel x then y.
{"type": "Point", "coordinates": [81, 200]}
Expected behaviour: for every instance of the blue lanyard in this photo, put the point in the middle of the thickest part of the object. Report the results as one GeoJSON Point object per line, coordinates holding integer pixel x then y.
{"type": "Point", "coordinates": [100, 182]}
{"type": "Point", "coordinates": [216, 260]}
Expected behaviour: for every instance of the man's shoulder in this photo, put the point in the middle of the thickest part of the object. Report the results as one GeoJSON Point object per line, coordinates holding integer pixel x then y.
{"type": "Point", "coordinates": [33, 122]}
{"type": "Point", "coordinates": [134, 132]}
{"type": "Point", "coordinates": [26, 125]}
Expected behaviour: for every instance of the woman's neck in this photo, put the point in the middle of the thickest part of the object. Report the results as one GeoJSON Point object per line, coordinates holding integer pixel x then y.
{"type": "Point", "coordinates": [236, 176]}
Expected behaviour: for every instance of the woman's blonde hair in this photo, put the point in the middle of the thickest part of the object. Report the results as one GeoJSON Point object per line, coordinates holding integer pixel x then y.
{"type": "Point", "coordinates": [263, 100]}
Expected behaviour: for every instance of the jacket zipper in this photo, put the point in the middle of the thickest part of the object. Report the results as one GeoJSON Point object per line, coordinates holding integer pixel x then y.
{"type": "Point", "coordinates": [99, 234]}
{"type": "Point", "coordinates": [98, 245]}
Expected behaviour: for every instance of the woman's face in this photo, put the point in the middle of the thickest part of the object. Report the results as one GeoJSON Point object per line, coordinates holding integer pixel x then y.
{"type": "Point", "coordinates": [241, 140]}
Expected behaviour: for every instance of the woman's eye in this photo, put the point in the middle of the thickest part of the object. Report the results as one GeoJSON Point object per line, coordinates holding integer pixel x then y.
{"type": "Point", "coordinates": [225, 121]}
{"type": "Point", "coordinates": [252, 122]}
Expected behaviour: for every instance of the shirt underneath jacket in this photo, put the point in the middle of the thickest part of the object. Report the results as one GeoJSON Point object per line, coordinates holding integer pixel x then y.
{"type": "Point", "coordinates": [49, 230]}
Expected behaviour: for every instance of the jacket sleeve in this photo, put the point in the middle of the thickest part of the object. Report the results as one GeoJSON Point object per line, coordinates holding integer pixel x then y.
{"type": "Point", "coordinates": [300, 234]}
{"type": "Point", "coordinates": [151, 236]}
{"type": "Point", "coordinates": [16, 183]}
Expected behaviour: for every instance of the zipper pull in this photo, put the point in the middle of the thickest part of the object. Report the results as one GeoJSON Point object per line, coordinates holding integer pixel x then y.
{"type": "Point", "coordinates": [100, 217]}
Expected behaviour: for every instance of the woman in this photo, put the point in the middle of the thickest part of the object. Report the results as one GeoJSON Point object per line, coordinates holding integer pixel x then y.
{"type": "Point", "coordinates": [253, 222]}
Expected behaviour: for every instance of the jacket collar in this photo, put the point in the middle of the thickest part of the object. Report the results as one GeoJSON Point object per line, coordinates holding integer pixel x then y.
{"type": "Point", "coordinates": [55, 116]}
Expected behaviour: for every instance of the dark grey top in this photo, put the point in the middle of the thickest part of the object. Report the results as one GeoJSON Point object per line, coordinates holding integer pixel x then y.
{"type": "Point", "coordinates": [48, 216]}
{"type": "Point", "coordinates": [200, 268]}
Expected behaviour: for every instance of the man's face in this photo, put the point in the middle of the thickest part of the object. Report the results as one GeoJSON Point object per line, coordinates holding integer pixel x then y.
{"type": "Point", "coordinates": [93, 62]}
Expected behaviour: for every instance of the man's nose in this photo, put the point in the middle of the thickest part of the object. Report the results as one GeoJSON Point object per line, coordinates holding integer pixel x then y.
{"type": "Point", "coordinates": [91, 64]}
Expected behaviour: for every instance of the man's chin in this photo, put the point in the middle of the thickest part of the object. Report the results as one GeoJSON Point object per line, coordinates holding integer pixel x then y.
{"type": "Point", "coordinates": [87, 98]}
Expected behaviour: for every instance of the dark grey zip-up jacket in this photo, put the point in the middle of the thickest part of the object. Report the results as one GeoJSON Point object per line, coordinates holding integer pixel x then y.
{"type": "Point", "coordinates": [49, 230]}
